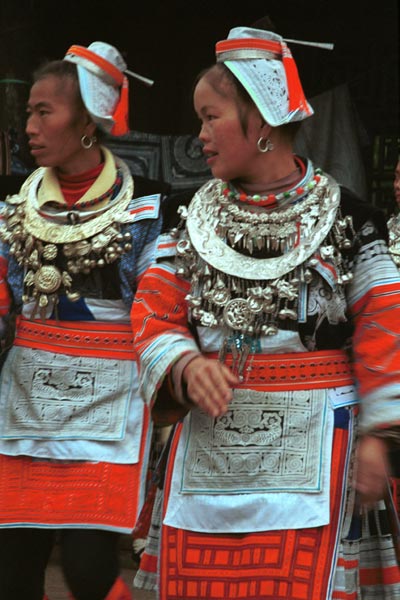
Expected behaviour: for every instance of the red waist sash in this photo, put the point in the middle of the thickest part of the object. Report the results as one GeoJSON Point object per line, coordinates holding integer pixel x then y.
{"type": "Point", "coordinates": [79, 338]}
{"type": "Point", "coordinates": [295, 371]}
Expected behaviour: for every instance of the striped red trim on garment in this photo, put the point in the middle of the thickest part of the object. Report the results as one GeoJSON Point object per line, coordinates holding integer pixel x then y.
{"type": "Point", "coordinates": [78, 338]}
{"type": "Point", "coordinates": [295, 371]}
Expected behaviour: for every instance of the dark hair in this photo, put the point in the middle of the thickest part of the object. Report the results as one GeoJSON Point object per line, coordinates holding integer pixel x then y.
{"type": "Point", "coordinates": [219, 76]}
{"type": "Point", "coordinates": [61, 69]}
{"type": "Point", "coordinates": [58, 68]}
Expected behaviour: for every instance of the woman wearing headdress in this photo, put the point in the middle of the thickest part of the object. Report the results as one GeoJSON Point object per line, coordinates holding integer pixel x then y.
{"type": "Point", "coordinates": [74, 243]}
{"type": "Point", "coordinates": [274, 322]}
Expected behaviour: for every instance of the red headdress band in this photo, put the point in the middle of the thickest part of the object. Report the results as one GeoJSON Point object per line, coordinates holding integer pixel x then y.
{"type": "Point", "coordinates": [101, 62]}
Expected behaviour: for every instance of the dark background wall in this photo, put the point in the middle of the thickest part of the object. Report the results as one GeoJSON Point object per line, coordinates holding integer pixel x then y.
{"type": "Point", "coordinates": [172, 41]}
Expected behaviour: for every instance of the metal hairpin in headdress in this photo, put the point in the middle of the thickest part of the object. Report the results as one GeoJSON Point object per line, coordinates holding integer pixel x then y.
{"type": "Point", "coordinates": [263, 63]}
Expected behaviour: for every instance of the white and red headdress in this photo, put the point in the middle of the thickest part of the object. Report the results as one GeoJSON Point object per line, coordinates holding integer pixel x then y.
{"type": "Point", "coordinates": [263, 63]}
{"type": "Point", "coordinates": [104, 85]}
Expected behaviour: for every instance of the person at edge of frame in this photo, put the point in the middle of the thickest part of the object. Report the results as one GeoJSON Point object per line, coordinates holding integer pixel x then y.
{"type": "Point", "coordinates": [394, 241]}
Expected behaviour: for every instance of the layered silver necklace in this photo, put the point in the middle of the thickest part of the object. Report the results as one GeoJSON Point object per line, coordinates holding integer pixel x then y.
{"type": "Point", "coordinates": [37, 239]}
{"type": "Point", "coordinates": [246, 295]}
{"type": "Point", "coordinates": [394, 238]}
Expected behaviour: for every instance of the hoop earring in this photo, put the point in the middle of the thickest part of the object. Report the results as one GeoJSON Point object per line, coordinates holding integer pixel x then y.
{"type": "Point", "coordinates": [265, 145]}
{"type": "Point", "coordinates": [87, 142]}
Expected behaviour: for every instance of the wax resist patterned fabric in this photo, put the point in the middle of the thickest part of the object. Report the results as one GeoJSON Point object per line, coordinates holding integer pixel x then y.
{"type": "Point", "coordinates": [291, 564]}
{"type": "Point", "coordinates": [270, 441]}
{"type": "Point", "coordinates": [60, 396]}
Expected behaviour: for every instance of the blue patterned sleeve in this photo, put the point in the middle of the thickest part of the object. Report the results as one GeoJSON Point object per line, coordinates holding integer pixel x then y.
{"type": "Point", "coordinates": [144, 230]}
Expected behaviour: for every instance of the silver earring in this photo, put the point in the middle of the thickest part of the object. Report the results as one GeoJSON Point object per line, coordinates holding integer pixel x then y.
{"type": "Point", "coordinates": [87, 142]}
{"type": "Point", "coordinates": [265, 145]}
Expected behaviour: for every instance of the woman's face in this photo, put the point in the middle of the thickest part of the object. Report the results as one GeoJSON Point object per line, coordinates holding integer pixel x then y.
{"type": "Point", "coordinates": [230, 153]}
{"type": "Point", "coordinates": [56, 123]}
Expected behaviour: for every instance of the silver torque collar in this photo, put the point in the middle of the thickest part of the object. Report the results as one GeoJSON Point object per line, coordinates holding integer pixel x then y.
{"type": "Point", "coordinates": [202, 222]}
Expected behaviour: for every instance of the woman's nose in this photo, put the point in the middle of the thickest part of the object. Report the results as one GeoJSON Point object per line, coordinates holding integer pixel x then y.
{"type": "Point", "coordinates": [203, 135]}
{"type": "Point", "coordinates": [30, 127]}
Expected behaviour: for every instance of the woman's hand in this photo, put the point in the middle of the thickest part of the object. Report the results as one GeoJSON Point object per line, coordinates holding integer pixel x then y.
{"type": "Point", "coordinates": [209, 385]}
{"type": "Point", "coordinates": [372, 469]}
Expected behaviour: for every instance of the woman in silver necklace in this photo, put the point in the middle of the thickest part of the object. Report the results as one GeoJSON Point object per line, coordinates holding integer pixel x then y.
{"type": "Point", "coordinates": [273, 322]}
